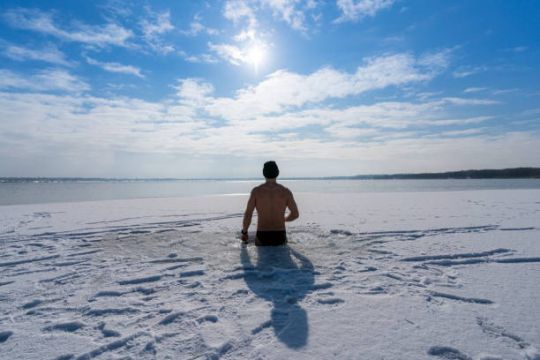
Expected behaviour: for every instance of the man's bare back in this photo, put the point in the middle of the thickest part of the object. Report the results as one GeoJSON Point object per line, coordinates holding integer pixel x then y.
{"type": "Point", "coordinates": [271, 201]}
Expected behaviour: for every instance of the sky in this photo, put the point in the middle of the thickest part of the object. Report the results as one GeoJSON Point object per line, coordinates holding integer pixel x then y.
{"type": "Point", "coordinates": [204, 89]}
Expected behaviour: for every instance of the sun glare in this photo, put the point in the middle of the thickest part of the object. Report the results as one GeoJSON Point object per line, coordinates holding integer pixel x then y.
{"type": "Point", "coordinates": [255, 56]}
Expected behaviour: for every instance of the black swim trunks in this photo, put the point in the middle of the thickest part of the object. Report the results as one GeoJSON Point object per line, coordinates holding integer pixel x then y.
{"type": "Point", "coordinates": [271, 238]}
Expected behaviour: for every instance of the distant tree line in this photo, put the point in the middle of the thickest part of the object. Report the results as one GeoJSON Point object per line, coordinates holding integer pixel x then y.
{"type": "Point", "coordinates": [514, 173]}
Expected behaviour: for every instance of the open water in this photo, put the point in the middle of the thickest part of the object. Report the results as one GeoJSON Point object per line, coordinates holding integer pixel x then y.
{"type": "Point", "coordinates": [61, 190]}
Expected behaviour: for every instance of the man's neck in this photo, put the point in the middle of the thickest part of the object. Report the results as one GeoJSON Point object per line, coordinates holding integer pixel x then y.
{"type": "Point", "coordinates": [271, 181]}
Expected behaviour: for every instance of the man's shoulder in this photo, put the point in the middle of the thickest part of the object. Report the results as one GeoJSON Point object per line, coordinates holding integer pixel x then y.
{"type": "Point", "coordinates": [257, 188]}
{"type": "Point", "coordinates": [264, 187]}
{"type": "Point", "coordinates": [285, 189]}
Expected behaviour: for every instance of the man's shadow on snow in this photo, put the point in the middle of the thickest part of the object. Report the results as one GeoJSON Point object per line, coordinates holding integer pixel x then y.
{"type": "Point", "coordinates": [278, 278]}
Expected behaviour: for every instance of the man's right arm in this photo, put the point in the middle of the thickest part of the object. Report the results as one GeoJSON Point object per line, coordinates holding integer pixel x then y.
{"type": "Point", "coordinates": [248, 214]}
{"type": "Point", "coordinates": [293, 208]}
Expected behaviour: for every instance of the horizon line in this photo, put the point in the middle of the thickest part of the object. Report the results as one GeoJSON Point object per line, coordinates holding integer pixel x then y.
{"type": "Point", "coordinates": [330, 177]}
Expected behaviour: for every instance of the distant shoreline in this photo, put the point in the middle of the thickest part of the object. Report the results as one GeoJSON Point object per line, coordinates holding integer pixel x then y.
{"type": "Point", "coordinates": [511, 173]}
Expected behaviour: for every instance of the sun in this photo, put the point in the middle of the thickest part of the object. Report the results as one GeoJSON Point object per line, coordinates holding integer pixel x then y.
{"type": "Point", "coordinates": [255, 55]}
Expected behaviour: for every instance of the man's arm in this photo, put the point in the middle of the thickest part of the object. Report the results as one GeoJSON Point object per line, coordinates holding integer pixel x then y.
{"type": "Point", "coordinates": [248, 214]}
{"type": "Point", "coordinates": [293, 208]}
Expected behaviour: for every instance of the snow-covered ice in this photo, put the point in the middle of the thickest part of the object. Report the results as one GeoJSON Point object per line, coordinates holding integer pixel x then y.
{"type": "Point", "coordinates": [424, 275]}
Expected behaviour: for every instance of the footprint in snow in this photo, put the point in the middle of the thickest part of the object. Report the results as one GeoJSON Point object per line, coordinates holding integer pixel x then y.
{"type": "Point", "coordinates": [447, 352]}
{"type": "Point", "coordinates": [4, 335]}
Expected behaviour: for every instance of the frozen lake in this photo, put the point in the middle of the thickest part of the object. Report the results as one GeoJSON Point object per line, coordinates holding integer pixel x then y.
{"type": "Point", "coordinates": [366, 275]}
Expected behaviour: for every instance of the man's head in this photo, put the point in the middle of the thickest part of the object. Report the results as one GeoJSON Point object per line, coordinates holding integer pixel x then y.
{"type": "Point", "coordinates": [270, 170]}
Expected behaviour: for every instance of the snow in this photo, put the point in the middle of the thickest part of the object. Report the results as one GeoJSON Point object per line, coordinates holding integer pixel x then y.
{"type": "Point", "coordinates": [424, 275]}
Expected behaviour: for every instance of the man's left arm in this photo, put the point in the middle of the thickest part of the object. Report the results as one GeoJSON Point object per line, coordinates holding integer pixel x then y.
{"type": "Point", "coordinates": [291, 204]}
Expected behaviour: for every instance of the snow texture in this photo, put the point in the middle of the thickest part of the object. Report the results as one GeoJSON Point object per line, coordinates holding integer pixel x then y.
{"type": "Point", "coordinates": [441, 275]}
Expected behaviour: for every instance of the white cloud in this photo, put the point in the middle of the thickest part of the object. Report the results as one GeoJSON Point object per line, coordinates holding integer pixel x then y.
{"type": "Point", "coordinates": [85, 124]}
{"type": "Point", "coordinates": [116, 67]}
{"type": "Point", "coordinates": [92, 126]}
{"type": "Point", "coordinates": [285, 115]}
{"type": "Point", "coordinates": [246, 35]}
{"type": "Point", "coordinates": [466, 71]}
{"type": "Point", "coordinates": [228, 52]}
{"type": "Point", "coordinates": [462, 121]}
{"type": "Point", "coordinates": [534, 111]}
{"type": "Point", "coordinates": [469, 101]}
{"type": "Point", "coordinates": [474, 89]}
{"type": "Point", "coordinates": [238, 10]}
{"type": "Point", "coordinates": [199, 58]}
{"type": "Point", "coordinates": [45, 80]}
{"type": "Point", "coordinates": [158, 24]}
{"type": "Point", "coordinates": [194, 91]}
{"type": "Point", "coordinates": [443, 154]}
{"type": "Point", "coordinates": [155, 25]}
{"type": "Point", "coordinates": [282, 89]}
{"type": "Point", "coordinates": [436, 59]}
{"type": "Point", "coordinates": [253, 52]}
{"type": "Point", "coordinates": [387, 116]}
{"type": "Point", "coordinates": [292, 12]}
{"type": "Point", "coordinates": [504, 91]}
{"type": "Point", "coordinates": [287, 11]}
{"type": "Point", "coordinates": [346, 132]}
{"type": "Point", "coordinates": [100, 35]}
{"type": "Point", "coordinates": [66, 127]}
{"type": "Point", "coordinates": [516, 49]}
{"type": "Point", "coordinates": [196, 27]}
{"type": "Point", "coordinates": [49, 54]}
{"type": "Point", "coordinates": [354, 10]}
{"type": "Point", "coordinates": [459, 133]}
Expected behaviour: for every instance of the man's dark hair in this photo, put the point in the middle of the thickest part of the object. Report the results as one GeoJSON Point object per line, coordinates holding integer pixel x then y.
{"type": "Point", "coordinates": [270, 170]}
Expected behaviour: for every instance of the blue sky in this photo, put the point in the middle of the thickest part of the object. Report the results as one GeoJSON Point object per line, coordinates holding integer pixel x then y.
{"type": "Point", "coordinates": [215, 88]}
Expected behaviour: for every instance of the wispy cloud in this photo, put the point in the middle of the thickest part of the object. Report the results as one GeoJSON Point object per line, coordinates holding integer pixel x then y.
{"type": "Point", "coordinates": [504, 91]}
{"type": "Point", "coordinates": [468, 101]}
{"type": "Point", "coordinates": [49, 54]}
{"type": "Point", "coordinates": [44, 80]}
{"type": "Point", "coordinates": [474, 89]}
{"type": "Point", "coordinates": [196, 27]}
{"type": "Point", "coordinates": [99, 35]}
{"type": "Point", "coordinates": [240, 10]}
{"type": "Point", "coordinates": [354, 10]}
{"type": "Point", "coordinates": [459, 133]}
{"type": "Point", "coordinates": [288, 11]}
{"type": "Point", "coordinates": [466, 71]}
{"type": "Point", "coordinates": [295, 13]}
{"type": "Point", "coordinates": [251, 52]}
{"type": "Point", "coordinates": [439, 59]}
{"type": "Point", "coordinates": [228, 52]}
{"type": "Point", "coordinates": [158, 23]}
{"type": "Point", "coordinates": [116, 67]}
{"type": "Point", "coordinates": [155, 25]}
{"type": "Point", "coordinates": [462, 121]}
{"type": "Point", "coordinates": [384, 118]}
{"type": "Point", "coordinates": [198, 58]}
{"type": "Point", "coordinates": [516, 49]}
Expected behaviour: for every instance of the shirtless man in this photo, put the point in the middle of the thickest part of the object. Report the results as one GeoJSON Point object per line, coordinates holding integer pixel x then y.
{"type": "Point", "coordinates": [271, 200]}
